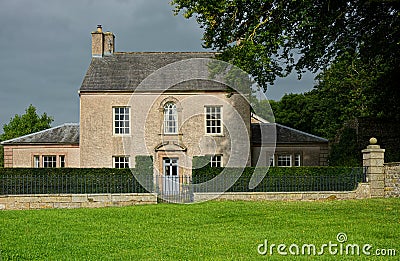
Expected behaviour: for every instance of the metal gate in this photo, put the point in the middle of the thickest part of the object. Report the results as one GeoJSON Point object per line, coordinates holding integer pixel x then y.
{"type": "Point", "coordinates": [175, 189]}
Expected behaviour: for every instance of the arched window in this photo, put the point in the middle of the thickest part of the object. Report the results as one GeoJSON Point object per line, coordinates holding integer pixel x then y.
{"type": "Point", "coordinates": [170, 118]}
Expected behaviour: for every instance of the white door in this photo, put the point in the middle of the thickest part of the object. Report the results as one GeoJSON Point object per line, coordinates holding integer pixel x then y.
{"type": "Point", "coordinates": [171, 176]}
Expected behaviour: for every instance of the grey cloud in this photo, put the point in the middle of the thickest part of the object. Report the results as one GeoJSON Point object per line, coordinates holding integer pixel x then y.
{"type": "Point", "coordinates": [45, 47]}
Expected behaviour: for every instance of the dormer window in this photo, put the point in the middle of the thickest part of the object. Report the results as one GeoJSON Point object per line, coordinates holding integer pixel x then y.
{"type": "Point", "coordinates": [170, 118]}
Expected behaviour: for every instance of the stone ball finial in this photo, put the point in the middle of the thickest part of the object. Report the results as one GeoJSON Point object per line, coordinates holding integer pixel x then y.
{"type": "Point", "coordinates": [373, 141]}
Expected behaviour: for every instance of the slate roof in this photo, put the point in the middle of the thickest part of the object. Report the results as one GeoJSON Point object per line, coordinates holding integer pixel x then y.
{"type": "Point", "coordinates": [124, 71]}
{"type": "Point", "coordinates": [67, 133]}
{"type": "Point", "coordinates": [284, 134]}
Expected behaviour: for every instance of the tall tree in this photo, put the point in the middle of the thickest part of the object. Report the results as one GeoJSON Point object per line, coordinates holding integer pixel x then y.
{"type": "Point", "coordinates": [345, 91]}
{"type": "Point", "coordinates": [22, 125]}
{"type": "Point", "coordinates": [270, 38]}
{"type": "Point", "coordinates": [27, 123]}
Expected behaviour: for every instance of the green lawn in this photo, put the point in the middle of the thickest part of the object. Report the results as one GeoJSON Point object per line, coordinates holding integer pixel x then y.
{"type": "Point", "coordinates": [209, 231]}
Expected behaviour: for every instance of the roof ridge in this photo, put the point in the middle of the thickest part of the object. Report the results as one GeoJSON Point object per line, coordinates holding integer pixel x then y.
{"type": "Point", "coordinates": [292, 129]}
{"type": "Point", "coordinates": [302, 132]}
{"type": "Point", "coordinates": [261, 119]}
{"type": "Point", "coordinates": [38, 132]}
{"type": "Point", "coordinates": [167, 52]}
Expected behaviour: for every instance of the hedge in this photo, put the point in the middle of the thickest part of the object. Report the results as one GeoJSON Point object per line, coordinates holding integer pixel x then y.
{"type": "Point", "coordinates": [78, 180]}
{"type": "Point", "coordinates": [279, 179]}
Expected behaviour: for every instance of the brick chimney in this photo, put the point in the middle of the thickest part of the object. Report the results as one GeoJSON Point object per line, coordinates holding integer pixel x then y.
{"type": "Point", "coordinates": [102, 43]}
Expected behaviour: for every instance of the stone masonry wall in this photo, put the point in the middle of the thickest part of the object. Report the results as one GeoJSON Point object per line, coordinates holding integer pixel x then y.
{"type": "Point", "coordinates": [99, 144]}
{"type": "Point", "coordinates": [43, 201]}
{"type": "Point", "coordinates": [362, 192]}
{"type": "Point", "coordinates": [21, 156]}
{"type": "Point", "coordinates": [392, 179]}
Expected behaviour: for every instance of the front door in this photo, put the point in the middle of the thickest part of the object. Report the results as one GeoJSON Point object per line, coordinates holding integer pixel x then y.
{"type": "Point", "coordinates": [171, 176]}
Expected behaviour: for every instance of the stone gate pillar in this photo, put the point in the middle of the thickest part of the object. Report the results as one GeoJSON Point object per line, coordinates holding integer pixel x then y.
{"type": "Point", "coordinates": [373, 158]}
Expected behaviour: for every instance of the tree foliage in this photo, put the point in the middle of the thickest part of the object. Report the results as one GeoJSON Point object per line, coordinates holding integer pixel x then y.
{"type": "Point", "coordinates": [270, 38]}
{"type": "Point", "coordinates": [354, 45]}
{"type": "Point", "coordinates": [347, 90]}
{"type": "Point", "coordinates": [27, 123]}
{"type": "Point", "coordinates": [20, 125]}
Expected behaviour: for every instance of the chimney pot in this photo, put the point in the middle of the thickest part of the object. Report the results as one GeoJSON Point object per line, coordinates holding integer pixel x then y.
{"type": "Point", "coordinates": [102, 43]}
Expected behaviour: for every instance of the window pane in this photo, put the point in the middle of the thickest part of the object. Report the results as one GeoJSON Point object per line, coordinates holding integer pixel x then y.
{"type": "Point", "coordinates": [36, 161]}
{"type": "Point", "coordinates": [62, 161]}
{"type": "Point", "coordinates": [121, 162]}
{"type": "Point", "coordinates": [216, 161]}
{"type": "Point", "coordinates": [121, 120]}
{"type": "Point", "coordinates": [170, 118]}
{"type": "Point", "coordinates": [285, 160]}
{"type": "Point", "coordinates": [174, 170]}
{"type": "Point", "coordinates": [213, 120]}
{"type": "Point", "coordinates": [271, 161]}
{"type": "Point", "coordinates": [297, 160]}
{"type": "Point", "coordinates": [49, 161]}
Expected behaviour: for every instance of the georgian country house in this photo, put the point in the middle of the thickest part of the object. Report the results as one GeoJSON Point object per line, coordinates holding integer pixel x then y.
{"type": "Point", "coordinates": [119, 121]}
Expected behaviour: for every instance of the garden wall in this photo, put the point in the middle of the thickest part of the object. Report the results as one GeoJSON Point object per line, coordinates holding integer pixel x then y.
{"type": "Point", "coordinates": [42, 201]}
{"type": "Point", "coordinates": [362, 191]}
{"type": "Point", "coordinates": [392, 179]}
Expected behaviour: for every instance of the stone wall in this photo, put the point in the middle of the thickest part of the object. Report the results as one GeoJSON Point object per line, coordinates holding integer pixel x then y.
{"type": "Point", "coordinates": [362, 191]}
{"type": "Point", "coordinates": [21, 156]}
{"type": "Point", "coordinates": [392, 179]}
{"type": "Point", "coordinates": [43, 201]}
{"type": "Point", "coordinates": [99, 144]}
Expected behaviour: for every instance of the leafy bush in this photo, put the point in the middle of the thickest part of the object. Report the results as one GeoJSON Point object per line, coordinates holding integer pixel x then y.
{"type": "Point", "coordinates": [144, 164]}
{"type": "Point", "coordinates": [199, 162]}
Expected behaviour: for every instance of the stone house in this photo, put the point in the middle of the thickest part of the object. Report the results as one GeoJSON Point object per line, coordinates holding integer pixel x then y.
{"type": "Point", "coordinates": [121, 118]}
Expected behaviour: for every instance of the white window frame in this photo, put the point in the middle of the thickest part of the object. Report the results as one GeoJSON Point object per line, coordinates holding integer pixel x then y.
{"type": "Point", "coordinates": [215, 118]}
{"type": "Point", "coordinates": [122, 128]}
{"type": "Point", "coordinates": [36, 161]}
{"type": "Point", "coordinates": [61, 159]}
{"type": "Point", "coordinates": [272, 161]}
{"type": "Point", "coordinates": [297, 160]}
{"type": "Point", "coordinates": [49, 159]}
{"type": "Point", "coordinates": [216, 161]}
{"type": "Point", "coordinates": [287, 159]}
{"type": "Point", "coordinates": [170, 118]}
{"type": "Point", "coordinates": [121, 162]}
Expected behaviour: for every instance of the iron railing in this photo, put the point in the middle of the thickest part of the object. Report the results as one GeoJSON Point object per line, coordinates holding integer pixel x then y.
{"type": "Point", "coordinates": [182, 188]}
{"type": "Point", "coordinates": [281, 183]}
{"type": "Point", "coordinates": [11, 184]}
{"type": "Point", "coordinates": [176, 188]}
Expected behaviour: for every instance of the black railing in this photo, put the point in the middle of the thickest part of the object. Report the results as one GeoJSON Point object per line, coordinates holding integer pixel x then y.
{"type": "Point", "coordinates": [73, 182]}
{"type": "Point", "coordinates": [176, 188]}
{"type": "Point", "coordinates": [346, 179]}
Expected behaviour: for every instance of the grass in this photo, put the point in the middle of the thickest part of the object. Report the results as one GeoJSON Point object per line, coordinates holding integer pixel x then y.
{"type": "Point", "coordinates": [207, 231]}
